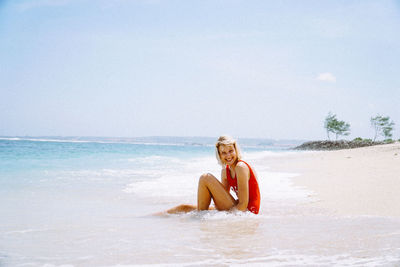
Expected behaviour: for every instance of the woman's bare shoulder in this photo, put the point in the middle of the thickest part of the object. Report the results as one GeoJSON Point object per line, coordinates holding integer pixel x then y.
{"type": "Point", "coordinates": [241, 166]}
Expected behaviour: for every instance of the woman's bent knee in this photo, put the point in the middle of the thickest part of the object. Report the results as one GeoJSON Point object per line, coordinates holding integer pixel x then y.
{"type": "Point", "coordinates": [206, 178]}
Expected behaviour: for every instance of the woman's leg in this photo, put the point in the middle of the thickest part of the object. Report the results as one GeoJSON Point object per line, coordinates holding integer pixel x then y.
{"type": "Point", "coordinates": [182, 208]}
{"type": "Point", "coordinates": [210, 188]}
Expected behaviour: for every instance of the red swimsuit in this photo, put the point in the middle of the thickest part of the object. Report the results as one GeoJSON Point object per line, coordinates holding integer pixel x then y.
{"type": "Point", "coordinates": [254, 192]}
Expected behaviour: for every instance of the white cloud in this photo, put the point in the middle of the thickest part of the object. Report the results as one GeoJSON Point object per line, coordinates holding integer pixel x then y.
{"type": "Point", "coordinates": [326, 77]}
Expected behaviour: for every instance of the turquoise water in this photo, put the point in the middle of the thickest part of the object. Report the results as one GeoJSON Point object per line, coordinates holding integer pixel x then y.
{"type": "Point", "coordinates": [77, 202]}
{"type": "Point", "coordinates": [24, 155]}
{"type": "Point", "coordinates": [26, 161]}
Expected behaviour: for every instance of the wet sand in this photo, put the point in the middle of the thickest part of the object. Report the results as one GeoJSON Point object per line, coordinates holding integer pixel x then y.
{"type": "Point", "coordinates": [361, 181]}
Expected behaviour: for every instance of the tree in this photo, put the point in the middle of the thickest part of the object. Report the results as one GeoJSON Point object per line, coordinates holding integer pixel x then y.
{"type": "Point", "coordinates": [333, 125]}
{"type": "Point", "coordinates": [382, 126]}
{"type": "Point", "coordinates": [329, 123]}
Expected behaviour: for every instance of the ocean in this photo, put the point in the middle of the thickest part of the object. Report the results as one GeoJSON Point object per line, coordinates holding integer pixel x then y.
{"type": "Point", "coordinates": [91, 202]}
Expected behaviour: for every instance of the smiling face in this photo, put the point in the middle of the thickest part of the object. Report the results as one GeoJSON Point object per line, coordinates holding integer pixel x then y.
{"type": "Point", "coordinates": [227, 154]}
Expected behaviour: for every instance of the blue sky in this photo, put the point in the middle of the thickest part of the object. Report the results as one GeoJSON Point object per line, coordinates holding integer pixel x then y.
{"type": "Point", "coordinates": [269, 69]}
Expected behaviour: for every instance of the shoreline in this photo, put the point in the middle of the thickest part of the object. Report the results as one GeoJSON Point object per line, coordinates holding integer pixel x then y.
{"type": "Point", "coordinates": [351, 182]}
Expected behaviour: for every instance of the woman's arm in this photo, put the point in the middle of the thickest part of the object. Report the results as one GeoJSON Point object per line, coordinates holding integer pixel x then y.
{"type": "Point", "coordinates": [224, 180]}
{"type": "Point", "coordinates": [242, 176]}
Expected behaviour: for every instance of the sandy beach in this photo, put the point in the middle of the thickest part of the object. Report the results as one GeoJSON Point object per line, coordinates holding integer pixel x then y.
{"type": "Point", "coordinates": [361, 181]}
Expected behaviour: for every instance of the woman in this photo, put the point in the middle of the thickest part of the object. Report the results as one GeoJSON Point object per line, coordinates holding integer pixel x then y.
{"type": "Point", "coordinates": [235, 174]}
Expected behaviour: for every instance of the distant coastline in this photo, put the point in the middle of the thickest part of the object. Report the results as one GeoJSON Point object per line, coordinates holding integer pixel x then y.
{"type": "Point", "coordinates": [267, 143]}
{"type": "Point", "coordinates": [290, 144]}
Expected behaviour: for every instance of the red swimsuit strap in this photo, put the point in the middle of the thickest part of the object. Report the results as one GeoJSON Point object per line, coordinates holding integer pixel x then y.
{"type": "Point", "coordinates": [228, 172]}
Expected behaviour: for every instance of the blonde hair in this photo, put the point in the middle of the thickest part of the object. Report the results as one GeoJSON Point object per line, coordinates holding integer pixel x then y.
{"type": "Point", "coordinates": [224, 140]}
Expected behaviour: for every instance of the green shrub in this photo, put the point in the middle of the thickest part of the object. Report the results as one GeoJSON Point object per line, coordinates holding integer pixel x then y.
{"type": "Point", "coordinates": [389, 141]}
{"type": "Point", "coordinates": [358, 139]}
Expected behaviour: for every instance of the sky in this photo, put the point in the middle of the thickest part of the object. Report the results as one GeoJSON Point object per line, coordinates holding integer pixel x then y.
{"type": "Point", "coordinates": [257, 69]}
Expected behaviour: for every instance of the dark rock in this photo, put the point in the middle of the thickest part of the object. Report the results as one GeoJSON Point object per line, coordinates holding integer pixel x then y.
{"type": "Point", "coordinates": [336, 145]}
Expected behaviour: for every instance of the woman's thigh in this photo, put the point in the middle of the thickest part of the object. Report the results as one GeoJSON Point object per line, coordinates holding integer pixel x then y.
{"type": "Point", "coordinates": [222, 199]}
